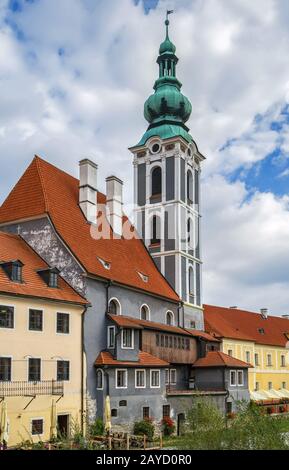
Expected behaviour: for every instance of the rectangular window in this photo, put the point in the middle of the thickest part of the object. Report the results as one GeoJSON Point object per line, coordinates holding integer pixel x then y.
{"type": "Point", "coordinates": [5, 369]}
{"type": "Point", "coordinates": [146, 412]}
{"type": "Point", "coordinates": [256, 360]}
{"type": "Point", "coordinates": [166, 341]}
{"type": "Point", "coordinates": [37, 427]}
{"type": "Point", "coordinates": [34, 370]}
{"type": "Point", "coordinates": [269, 360]}
{"type": "Point", "coordinates": [171, 342]}
{"type": "Point", "coordinates": [175, 342]}
{"type": "Point", "coordinates": [121, 378]}
{"type": "Point", "coordinates": [6, 317]}
{"type": "Point", "coordinates": [188, 344]}
{"type": "Point", "coordinates": [230, 352]}
{"type": "Point", "coordinates": [167, 372]}
{"type": "Point", "coordinates": [283, 361]}
{"type": "Point", "coordinates": [111, 337]}
{"type": "Point", "coordinates": [240, 378]}
{"type": "Point", "coordinates": [248, 356]}
{"type": "Point", "coordinates": [179, 343]}
{"type": "Point", "coordinates": [127, 338]}
{"type": "Point", "coordinates": [183, 343]}
{"type": "Point", "coordinates": [140, 379]}
{"type": "Point", "coordinates": [63, 370]}
{"type": "Point", "coordinates": [157, 340]}
{"type": "Point", "coordinates": [35, 320]}
{"type": "Point", "coordinates": [166, 411]}
{"type": "Point", "coordinates": [162, 341]}
{"type": "Point", "coordinates": [284, 385]}
{"type": "Point", "coordinates": [63, 323]}
{"type": "Point", "coordinates": [257, 388]}
{"type": "Point", "coordinates": [155, 379]}
{"type": "Point", "coordinates": [233, 378]}
{"type": "Point", "coordinates": [53, 280]}
{"type": "Point", "coordinates": [173, 375]}
{"type": "Point", "coordinates": [270, 386]}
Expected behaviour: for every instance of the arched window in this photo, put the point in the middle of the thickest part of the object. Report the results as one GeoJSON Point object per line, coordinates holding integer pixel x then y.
{"type": "Point", "coordinates": [192, 285]}
{"type": "Point", "coordinates": [190, 187]}
{"type": "Point", "coordinates": [144, 313]}
{"type": "Point", "coordinates": [99, 379]}
{"type": "Point", "coordinates": [170, 318]}
{"type": "Point", "coordinates": [156, 230]}
{"type": "Point", "coordinates": [190, 233]}
{"type": "Point", "coordinates": [114, 307]}
{"type": "Point", "coordinates": [156, 181]}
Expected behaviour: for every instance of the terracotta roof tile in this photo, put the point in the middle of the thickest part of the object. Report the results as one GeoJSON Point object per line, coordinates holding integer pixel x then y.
{"type": "Point", "coordinates": [247, 326]}
{"type": "Point", "coordinates": [145, 360]}
{"type": "Point", "coordinates": [204, 335]}
{"type": "Point", "coordinates": [46, 189]}
{"type": "Point", "coordinates": [131, 322]}
{"type": "Point", "coordinates": [13, 247]}
{"type": "Point", "coordinates": [219, 359]}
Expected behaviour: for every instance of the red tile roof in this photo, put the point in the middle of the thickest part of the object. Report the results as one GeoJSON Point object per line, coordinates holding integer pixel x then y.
{"type": "Point", "coordinates": [145, 360]}
{"type": "Point", "coordinates": [129, 322]}
{"type": "Point", "coordinates": [204, 335]}
{"type": "Point", "coordinates": [219, 359]}
{"type": "Point", "coordinates": [248, 326]}
{"type": "Point", "coordinates": [45, 189]}
{"type": "Point", "coordinates": [12, 248]}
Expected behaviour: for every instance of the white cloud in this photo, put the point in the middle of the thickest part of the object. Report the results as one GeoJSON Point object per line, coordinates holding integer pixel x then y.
{"type": "Point", "coordinates": [88, 101]}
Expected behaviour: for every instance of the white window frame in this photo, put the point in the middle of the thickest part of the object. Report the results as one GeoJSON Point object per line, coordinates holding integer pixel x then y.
{"type": "Point", "coordinates": [230, 352]}
{"type": "Point", "coordinates": [151, 375]}
{"type": "Point", "coordinates": [171, 381]}
{"type": "Point", "coordinates": [148, 311]}
{"type": "Point", "coordinates": [257, 363]}
{"type": "Point", "coordinates": [283, 360]}
{"type": "Point", "coordinates": [125, 374]}
{"type": "Point", "coordinates": [3, 304]}
{"type": "Point", "coordinates": [169, 312]}
{"type": "Point", "coordinates": [235, 373]}
{"type": "Point", "coordinates": [28, 323]}
{"type": "Point", "coordinates": [33, 381]}
{"type": "Point", "coordinates": [119, 312]}
{"type": "Point", "coordinates": [69, 369]}
{"type": "Point", "coordinates": [69, 323]}
{"type": "Point", "coordinates": [145, 379]}
{"type": "Point", "coordinates": [102, 379]}
{"type": "Point", "coordinates": [31, 426]}
{"type": "Point", "coordinates": [269, 363]}
{"type": "Point", "coordinates": [109, 328]}
{"type": "Point", "coordinates": [242, 375]}
{"type": "Point", "coordinates": [132, 339]}
{"type": "Point", "coordinates": [248, 357]}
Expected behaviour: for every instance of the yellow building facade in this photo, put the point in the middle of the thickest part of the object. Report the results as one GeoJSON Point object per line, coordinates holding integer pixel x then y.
{"type": "Point", "coordinates": [270, 363]}
{"type": "Point", "coordinates": [53, 400]}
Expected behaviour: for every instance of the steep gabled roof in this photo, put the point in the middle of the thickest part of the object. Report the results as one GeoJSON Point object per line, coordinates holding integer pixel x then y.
{"type": "Point", "coordinates": [246, 326]}
{"type": "Point", "coordinates": [13, 247]}
{"type": "Point", "coordinates": [144, 360]}
{"type": "Point", "coordinates": [219, 359]}
{"type": "Point", "coordinates": [45, 189]}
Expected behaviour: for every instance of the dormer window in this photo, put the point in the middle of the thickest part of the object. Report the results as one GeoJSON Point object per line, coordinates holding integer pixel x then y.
{"type": "Point", "coordinates": [50, 276]}
{"type": "Point", "coordinates": [13, 269]}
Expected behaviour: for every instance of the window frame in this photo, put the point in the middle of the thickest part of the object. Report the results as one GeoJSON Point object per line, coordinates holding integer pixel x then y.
{"type": "Point", "coordinates": [102, 379]}
{"type": "Point", "coordinates": [11, 368]}
{"type": "Point", "coordinates": [132, 339]}
{"type": "Point", "coordinates": [14, 316]}
{"type": "Point", "coordinates": [233, 372]}
{"type": "Point", "coordinates": [269, 362]}
{"type": "Point", "coordinates": [147, 310]}
{"type": "Point", "coordinates": [42, 320]}
{"type": "Point", "coordinates": [31, 426]}
{"type": "Point", "coordinates": [151, 375]}
{"type": "Point", "coordinates": [248, 357]}
{"type": "Point", "coordinates": [118, 306]}
{"type": "Point", "coordinates": [175, 381]}
{"type": "Point", "coordinates": [143, 371]}
{"type": "Point", "coordinates": [28, 370]}
{"type": "Point", "coordinates": [126, 379]}
{"type": "Point", "coordinates": [170, 314]}
{"type": "Point", "coordinates": [153, 193]}
{"type": "Point", "coordinates": [165, 415]}
{"type": "Point", "coordinates": [109, 329]}
{"type": "Point", "coordinates": [283, 360]}
{"type": "Point", "coordinates": [143, 414]}
{"type": "Point", "coordinates": [242, 375]}
{"type": "Point", "coordinates": [167, 376]}
{"type": "Point", "coordinates": [69, 371]}
{"type": "Point", "coordinates": [69, 323]}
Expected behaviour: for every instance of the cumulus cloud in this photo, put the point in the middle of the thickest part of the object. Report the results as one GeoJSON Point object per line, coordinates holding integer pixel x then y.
{"type": "Point", "coordinates": [75, 74]}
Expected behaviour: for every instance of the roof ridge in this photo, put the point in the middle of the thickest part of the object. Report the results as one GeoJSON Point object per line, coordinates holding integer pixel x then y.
{"type": "Point", "coordinates": [38, 161]}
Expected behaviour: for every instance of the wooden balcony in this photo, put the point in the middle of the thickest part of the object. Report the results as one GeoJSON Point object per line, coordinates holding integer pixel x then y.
{"type": "Point", "coordinates": [31, 389]}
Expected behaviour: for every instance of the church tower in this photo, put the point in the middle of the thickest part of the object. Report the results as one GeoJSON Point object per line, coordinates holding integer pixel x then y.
{"type": "Point", "coordinates": [167, 166]}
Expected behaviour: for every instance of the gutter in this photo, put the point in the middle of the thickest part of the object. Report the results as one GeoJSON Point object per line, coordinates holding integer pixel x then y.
{"type": "Point", "coordinates": [83, 352]}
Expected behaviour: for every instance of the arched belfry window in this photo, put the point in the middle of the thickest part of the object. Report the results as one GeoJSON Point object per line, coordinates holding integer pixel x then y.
{"type": "Point", "coordinates": [170, 319]}
{"type": "Point", "coordinates": [156, 230]}
{"type": "Point", "coordinates": [190, 187]}
{"type": "Point", "coordinates": [192, 285]}
{"type": "Point", "coordinates": [190, 234]}
{"type": "Point", "coordinates": [157, 181]}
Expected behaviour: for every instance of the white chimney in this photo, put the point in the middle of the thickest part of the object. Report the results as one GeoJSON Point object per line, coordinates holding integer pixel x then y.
{"type": "Point", "coordinates": [88, 189]}
{"type": "Point", "coordinates": [114, 203]}
{"type": "Point", "coordinates": [264, 313]}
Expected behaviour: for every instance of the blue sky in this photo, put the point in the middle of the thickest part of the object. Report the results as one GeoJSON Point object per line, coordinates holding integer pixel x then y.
{"type": "Point", "coordinates": [75, 74]}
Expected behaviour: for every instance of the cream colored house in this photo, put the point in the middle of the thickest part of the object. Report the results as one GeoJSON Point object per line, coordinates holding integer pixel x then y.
{"type": "Point", "coordinates": [42, 368]}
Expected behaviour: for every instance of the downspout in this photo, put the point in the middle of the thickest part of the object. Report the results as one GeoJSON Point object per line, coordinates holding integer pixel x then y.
{"type": "Point", "coordinates": [181, 315]}
{"type": "Point", "coordinates": [108, 285]}
{"type": "Point", "coordinates": [83, 352]}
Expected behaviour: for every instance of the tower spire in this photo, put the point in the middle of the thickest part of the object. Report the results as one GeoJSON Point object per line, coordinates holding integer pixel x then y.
{"type": "Point", "coordinates": [167, 22]}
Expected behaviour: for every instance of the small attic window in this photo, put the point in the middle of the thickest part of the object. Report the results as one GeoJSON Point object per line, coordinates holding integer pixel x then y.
{"type": "Point", "coordinates": [143, 277]}
{"type": "Point", "coordinates": [104, 263]}
{"type": "Point", "coordinates": [50, 276]}
{"type": "Point", "coordinates": [13, 269]}
{"type": "Point", "coordinates": [261, 331]}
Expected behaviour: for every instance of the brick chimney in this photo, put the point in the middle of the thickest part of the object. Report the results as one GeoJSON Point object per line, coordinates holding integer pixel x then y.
{"type": "Point", "coordinates": [88, 189]}
{"type": "Point", "coordinates": [114, 203]}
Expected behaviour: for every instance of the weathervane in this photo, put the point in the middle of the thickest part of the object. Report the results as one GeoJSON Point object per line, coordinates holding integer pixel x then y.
{"type": "Point", "coordinates": [167, 23]}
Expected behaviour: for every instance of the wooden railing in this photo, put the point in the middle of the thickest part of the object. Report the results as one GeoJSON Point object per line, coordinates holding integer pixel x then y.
{"type": "Point", "coordinates": [25, 389]}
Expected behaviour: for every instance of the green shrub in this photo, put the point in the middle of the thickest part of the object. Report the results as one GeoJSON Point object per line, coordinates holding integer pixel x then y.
{"type": "Point", "coordinates": [97, 428]}
{"type": "Point", "coordinates": [146, 428]}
